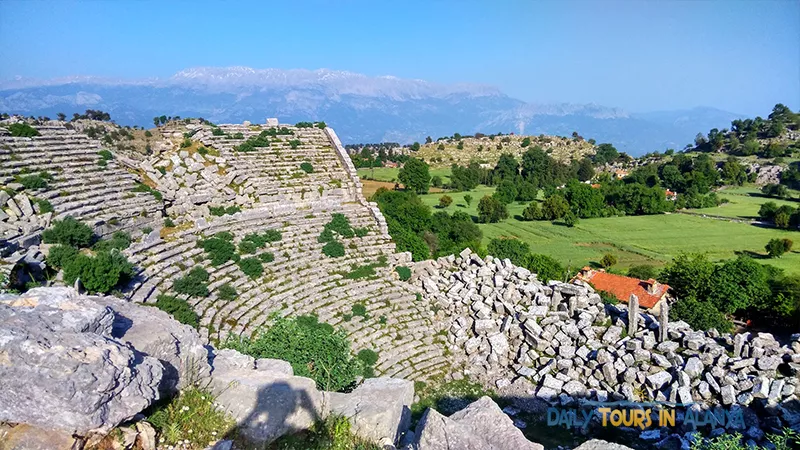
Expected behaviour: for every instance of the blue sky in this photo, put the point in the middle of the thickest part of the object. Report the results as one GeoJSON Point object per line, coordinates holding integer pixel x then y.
{"type": "Point", "coordinates": [741, 56]}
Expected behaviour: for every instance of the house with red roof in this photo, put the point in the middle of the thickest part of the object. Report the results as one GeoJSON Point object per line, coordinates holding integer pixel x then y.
{"type": "Point", "coordinates": [670, 195]}
{"type": "Point", "coordinates": [650, 292]}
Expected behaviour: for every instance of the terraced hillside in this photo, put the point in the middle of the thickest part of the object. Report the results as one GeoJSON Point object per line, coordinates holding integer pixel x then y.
{"type": "Point", "coordinates": [207, 182]}
{"type": "Point", "coordinates": [487, 150]}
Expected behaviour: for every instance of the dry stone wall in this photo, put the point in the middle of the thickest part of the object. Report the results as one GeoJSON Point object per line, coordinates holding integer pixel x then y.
{"type": "Point", "coordinates": [559, 343]}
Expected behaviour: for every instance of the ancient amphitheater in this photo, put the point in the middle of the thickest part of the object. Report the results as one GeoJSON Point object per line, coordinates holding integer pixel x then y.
{"type": "Point", "coordinates": [272, 193]}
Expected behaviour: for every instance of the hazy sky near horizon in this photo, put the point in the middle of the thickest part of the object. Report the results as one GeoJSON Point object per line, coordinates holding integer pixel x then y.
{"type": "Point", "coordinates": [737, 55]}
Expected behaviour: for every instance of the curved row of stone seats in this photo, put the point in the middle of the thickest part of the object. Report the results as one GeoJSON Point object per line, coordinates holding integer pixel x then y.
{"type": "Point", "coordinates": [274, 172]}
{"type": "Point", "coordinates": [80, 188]}
{"type": "Point", "coordinates": [301, 280]}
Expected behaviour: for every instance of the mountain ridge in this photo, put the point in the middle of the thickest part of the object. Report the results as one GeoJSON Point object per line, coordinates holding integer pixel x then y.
{"type": "Point", "coordinates": [362, 108]}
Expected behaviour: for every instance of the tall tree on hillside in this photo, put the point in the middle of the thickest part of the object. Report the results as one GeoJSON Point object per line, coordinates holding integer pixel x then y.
{"type": "Point", "coordinates": [415, 176]}
{"type": "Point", "coordinates": [605, 153]}
{"type": "Point", "coordinates": [506, 168]}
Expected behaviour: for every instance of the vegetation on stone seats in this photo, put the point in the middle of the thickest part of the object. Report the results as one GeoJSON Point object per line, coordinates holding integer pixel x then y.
{"type": "Point", "coordinates": [178, 308]}
{"type": "Point", "coordinates": [141, 187]}
{"type": "Point", "coordinates": [403, 272]}
{"type": "Point", "coordinates": [22, 129]}
{"type": "Point", "coordinates": [223, 210]}
{"type": "Point", "coordinates": [333, 433]}
{"type": "Point", "coordinates": [35, 181]}
{"type": "Point", "coordinates": [193, 284]}
{"type": "Point", "coordinates": [315, 350]}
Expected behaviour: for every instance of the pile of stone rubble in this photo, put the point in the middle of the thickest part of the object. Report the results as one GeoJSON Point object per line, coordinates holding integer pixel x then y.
{"type": "Point", "coordinates": [565, 345]}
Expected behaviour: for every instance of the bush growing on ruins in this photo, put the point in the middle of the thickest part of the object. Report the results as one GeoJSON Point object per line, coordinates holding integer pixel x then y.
{"type": "Point", "coordinates": [266, 257]}
{"type": "Point", "coordinates": [247, 247]}
{"type": "Point", "coordinates": [404, 272]}
{"type": "Point", "coordinates": [218, 249]}
{"type": "Point", "coordinates": [361, 232]}
{"type": "Point", "coordinates": [532, 212]}
{"type": "Point", "coordinates": [100, 273]}
{"type": "Point", "coordinates": [415, 176]}
{"type": "Point", "coordinates": [120, 241]}
{"type": "Point", "coordinates": [525, 142]}
{"type": "Point", "coordinates": [608, 298]}
{"type": "Point", "coordinates": [44, 205]}
{"type": "Point", "coordinates": [304, 125]}
{"type": "Point", "coordinates": [307, 167]}
{"type": "Point", "coordinates": [777, 247]}
{"type": "Point", "coordinates": [315, 350]}
{"type": "Point", "coordinates": [365, 271]}
{"type": "Point", "coordinates": [272, 235]}
{"type": "Point", "coordinates": [216, 210]}
{"type": "Point", "coordinates": [68, 231]}
{"type": "Point", "coordinates": [445, 201]}
{"type": "Point", "coordinates": [105, 155]}
{"type": "Point", "coordinates": [179, 309]}
{"type": "Point", "coordinates": [251, 267]}
{"type": "Point", "coordinates": [59, 255]}
{"type": "Point", "coordinates": [340, 224]}
{"type": "Point", "coordinates": [148, 134]}
{"type": "Point", "coordinates": [32, 182]}
{"type": "Point", "coordinates": [102, 163]}
{"type": "Point", "coordinates": [141, 187]}
{"type": "Point", "coordinates": [193, 283]}
{"type": "Point", "coordinates": [217, 132]}
{"type": "Point", "coordinates": [227, 292]}
{"type": "Point", "coordinates": [608, 260]}
{"type": "Point", "coordinates": [333, 249]}
{"type": "Point", "coordinates": [491, 210]}
{"type": "Point", "coordinates": [22, 129]}
{"type": "Point", "coordinates": [169, 223]}
{"type": "Point", "coordinates": [514, 249]}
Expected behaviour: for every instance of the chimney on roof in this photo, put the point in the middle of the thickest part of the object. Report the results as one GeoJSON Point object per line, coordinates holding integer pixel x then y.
{"type": "Point", "coordinates": [652, 286]}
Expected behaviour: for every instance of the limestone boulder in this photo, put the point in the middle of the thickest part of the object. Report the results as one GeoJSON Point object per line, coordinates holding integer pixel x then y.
{"type": "Point", "coordinates": [266, 404]}
{"type": "Point", "coordinates": [481, 425]}
{"type": "Point", "coordinates": [378, 410]}
{"type": "Point", "coordinates": [61, 369]}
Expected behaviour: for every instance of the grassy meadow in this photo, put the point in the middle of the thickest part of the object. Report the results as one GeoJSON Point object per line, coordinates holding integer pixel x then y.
{"type": "Point", "coordinates": [744, 202]}
{"type": "Point", "coordinates": [634, 240]}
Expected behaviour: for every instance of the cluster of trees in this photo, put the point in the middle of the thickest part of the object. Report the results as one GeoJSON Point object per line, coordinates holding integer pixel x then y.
{"type": "Point", "coordinates": [89, 114]}
{"type": "Point", "coordinates": [711, 293]}
{"type": "Point", "coordinates": [99, 270]}
{"type": "Point", "coordinates": [415, 229]}
{"type": "Point", "coordinates": [743, 137]}
{"type": "Point", "coordinates": [784, 216]}
{"type": "Point", "coordinates": [375, 155]}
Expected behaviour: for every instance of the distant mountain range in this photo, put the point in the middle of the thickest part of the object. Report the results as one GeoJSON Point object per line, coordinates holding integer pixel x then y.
{"type": "Point", "coordinates": [361, 108]}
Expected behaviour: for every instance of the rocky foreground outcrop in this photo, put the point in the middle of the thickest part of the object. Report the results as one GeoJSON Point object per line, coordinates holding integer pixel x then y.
{"type": "Point", "coordinates": [83, 365]}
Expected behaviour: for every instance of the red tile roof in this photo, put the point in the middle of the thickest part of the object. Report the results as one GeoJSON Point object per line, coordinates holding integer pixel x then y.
{"type": "Point", "coordinates": [622, 287]}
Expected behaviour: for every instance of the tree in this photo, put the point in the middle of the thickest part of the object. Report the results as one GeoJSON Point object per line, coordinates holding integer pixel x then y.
{"type": "Point", "coordinates": [532, 212]}
{"type": "Point", "coordinates": [415, 146]}
{"type": "Point", "coordinates": [733, 172]}
{"type": "Point", "coordinates": [506, 168]}
{"type": "Point", "coordinates": [585, 170]}
{"type": "Point", "coordinates": [527, 191]}
{"type": "Point", "coordinates": [61, 116]}
{"type": "Point", "coordinates": [69, 231]}
{"type": "Point", "coordinates": [156, 121]}
{"type": "Point", "coordinates": [468, 199]}
{"type": "Point", "coordinates": [513, 249]}
{"type": "Point", "coordinates": [775, 190]}
{"type": "Point", "coordinates": [777, 247]}
{"type": "Point", "coordinates": [545, 267]}
{"type": "Point", "coordinates": [605, 153]}
{"type": "Point", "coordinates": [554, 207]}
{"type": "Point", "coordinates": [162, 120]}
{"type": "Point", "coordinates": [506, 192]}
{"type": "Point", "coordinates": [428, 140]}
{"type": "Point", "coordinates": [415, 176]}
{"type": "Point", "coordinates": [436, 181]}
{"type": "Point", "coordinates": [571, 219]}
{"type": "Point", "coordinates": [491, 210]}
{"type": "Point", "coordinates": [608, 260]}
{"type": "Point", "coordinates": [525, 142]}
{"type": "Point", "coordinates": [445, 201]}
{"type": "Point", "coordinates": [642, 272]}
{"type": "Point", "coordinates": [100, 273]}
{"type": "Point", "coordinates": [738, 284]}
{"type": "Point", "coordinates": [689, 275]}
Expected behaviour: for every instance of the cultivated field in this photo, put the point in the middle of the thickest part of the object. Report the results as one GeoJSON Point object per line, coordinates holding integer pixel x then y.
{"type": "Point", "coordinates": [635, 239]}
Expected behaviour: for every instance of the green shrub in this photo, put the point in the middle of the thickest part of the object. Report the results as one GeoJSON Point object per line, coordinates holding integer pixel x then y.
{"type": "Point", "coordinates": [273, 235]}
{"type": "Point", "coordinates": [333, 249]}
{"type": "Point", "coordinates": [608, 298]}
{"type": "Point", "coordinates": [334, 433]}
{"type": "Point", "coordinates": [202, 150]}
{"type": "Point", "coordinates": [100, 273]}
{"type": "Point", "coordinates": [105, 155]}
{"type": "Point", "coordinates": [179, 309]}
{"type": "Point", "coordinates": [68, 231]}
{"type": "Point", "coordinates": [44, 205]}
{"type": "Point", "coordinates": [169, 223]}
{"type": "Point", "coordinates": [608, 260]}
{"type": "Point", "coordinates": [251, 267]}
{"type": "Point", "coordinates": [22, 129]}
{"type": "Point", "coordinates": [266, 257]}
{"type": "Point", "coordinates": [60, 255]}
{"type": "Point", "coordinates": [191, 418]}
{"type": "Point", "coordinates": [404, 272]}
{"type": "Point", "coordinates": [701, 315]}
{"type": "Point", "coordinates": [514, 249]}
{"type": "Point", "coordinates": [141, 187]}
{"type": "Point", "coordinates": [777, 247]}
{"type": "Point", "coordinates": [642, 272]}
{"type": "Point", "coordinates": [364, 271]}
{"type": "Point", "coordinates": [367, 357]}
{"type": "Point", "coordinates": [545, 267]}
{"type": "Point", "coordinates": [102, 163]}
{"type": "Point", "coordinates": [247, 247]}
{"type": "Point", "coordinates": [359, 310]}
{"type": "Point", "coordinates": [340, 224]}
{"type": "Point", "coordinates": [193, 283]}
{"type": "Point", "coordinates": [230, 210]}
{"type": "Point", "coordinates": [147, 230]}
{"type": "Point", "coordinates": [218, 250]}
{"type": "Point", "coordinates": [227, 292]}
{"type": "Point", "coordinates": [216, 210]}
{"type": "Point", "coordinates": [32, 182]}
{"type": "Point", "coordinates": [361, 232]}
{"type": "Point", "coordinates": [307, 167]}
{"type": "Point", "coordinates": [225, 236]}
{"type": "Point", "coordinates": [313, 349]}
{"type": "Point", "coordinates": [120, 241]}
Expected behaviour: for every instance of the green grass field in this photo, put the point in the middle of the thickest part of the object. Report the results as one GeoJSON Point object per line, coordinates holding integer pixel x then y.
{"type": "Point", "coordinates": [633, 240]}
{"type": "Point", "coordinates": [390, 173]}
{"type": "Point", "coordinates": [744, 202]}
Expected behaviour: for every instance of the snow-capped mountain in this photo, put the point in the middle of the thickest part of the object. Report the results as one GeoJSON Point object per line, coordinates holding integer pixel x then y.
{"type": "Point", "coordinates": [362, 108]}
